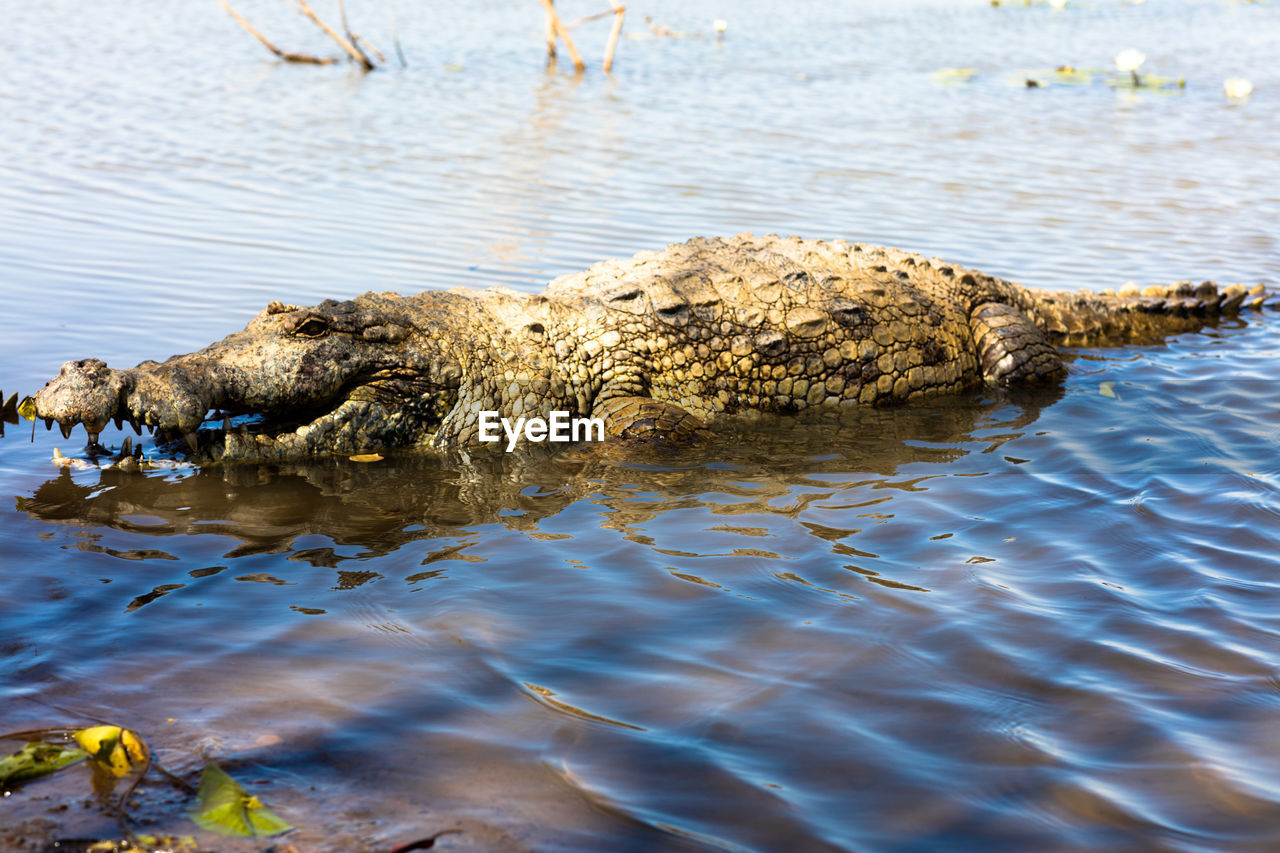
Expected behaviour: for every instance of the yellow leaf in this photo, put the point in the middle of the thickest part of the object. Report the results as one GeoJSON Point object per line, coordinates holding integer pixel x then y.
{"type": "Point", "coordinates": [113, 748]}
{"type": "Point", "coordinates": [366, 457]}
{"type": "Point", "coordinates": [1108, 389]}
{"type": "Point", "coordinates": [27, 408]}
{"type": "Point", "coordinates": [953, 76]}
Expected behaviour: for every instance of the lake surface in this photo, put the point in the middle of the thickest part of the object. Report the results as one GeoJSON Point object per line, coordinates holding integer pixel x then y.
{"type": "Point", "coordinates": [985, 622]}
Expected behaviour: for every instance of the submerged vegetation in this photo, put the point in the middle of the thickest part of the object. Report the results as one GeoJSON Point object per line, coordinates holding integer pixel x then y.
{"type": "Point", "coordinates": [113, 753]}
{"type": "Point", "coordinates": [361, 51]}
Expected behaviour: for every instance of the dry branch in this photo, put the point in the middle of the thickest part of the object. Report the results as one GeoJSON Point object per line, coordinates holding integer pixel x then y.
{"type": "Point", "coordinates": [573, 25]}
{"type": "Point", "coordinates": [366, 45]}
{"type": "Point", "coordinates": [354, 39]}
{"type": "Point", "coordinates": [351, 50]}
{"type": "Point", "coordinates": [283, 54]}
{"type": "Point", "coordinates": [618, 12]}
{"type": "Point", "coordinates": [551, 39]}
{"type": "Point", "coordinates": [395, 37]}
{"type": "Point", "coordinates": [563, 33]}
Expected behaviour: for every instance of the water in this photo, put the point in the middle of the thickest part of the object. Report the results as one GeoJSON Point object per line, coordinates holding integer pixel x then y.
{"type": "Point", "coordinates": [987, 622]}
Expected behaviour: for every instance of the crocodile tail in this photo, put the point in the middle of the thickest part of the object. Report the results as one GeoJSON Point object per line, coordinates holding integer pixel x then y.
{"type": "Point", "coordinates": [1134, 316]}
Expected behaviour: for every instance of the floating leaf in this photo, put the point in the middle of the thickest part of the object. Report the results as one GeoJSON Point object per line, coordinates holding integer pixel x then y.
{"type": "Point", "coordinates": [38, 759]}
{"type": "Point", "coordinates": [366, 457]}
{"type": "Point", "coordinates": [1146, 81]}
{"type": "Point", "coordinates": [953, 76]}
{"type": "Point", "coordinates": [1063, 75]}
{"type": "Point", "coordinates": [227, 808]}
{"type": "Point", "coordinates": [115, 749]}
{"type": "Point", "coordinates": [1108, 389]}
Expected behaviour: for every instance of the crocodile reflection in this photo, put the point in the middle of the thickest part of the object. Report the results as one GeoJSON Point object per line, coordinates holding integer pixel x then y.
{"type": "Point", "coordinates": [381, 507]}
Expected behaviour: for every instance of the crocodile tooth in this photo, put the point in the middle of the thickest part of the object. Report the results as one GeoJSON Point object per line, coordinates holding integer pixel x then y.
{"type": "Point", "coordinates": [66, 429]}
{"type": "Point", "coordinates": [192, 441]}
{"type": "Point", "coordinates": [226, 423]}
{"type": "Point", "coordinates": [93, 436]}
{"type": "Point", "coordinates": [126, 447]}
{"type": "Point", "coordinates": [118, 420]}
{"type": "Point", "coordinates": [48, 423]}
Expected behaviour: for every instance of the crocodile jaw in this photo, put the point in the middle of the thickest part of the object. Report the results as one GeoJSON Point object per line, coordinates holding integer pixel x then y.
{"type": "Point", "coordinates": [88, 392]}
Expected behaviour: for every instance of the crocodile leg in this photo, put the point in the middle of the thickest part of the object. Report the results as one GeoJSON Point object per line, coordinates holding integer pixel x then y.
{"type": "Point", "coordinates": [1011, 350]}
{"type": "Point", "coordinates": [646, 420]}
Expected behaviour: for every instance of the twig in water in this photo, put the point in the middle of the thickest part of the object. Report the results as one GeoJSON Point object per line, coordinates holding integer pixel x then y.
{"type": "Point", "coordinates": [351, 51]}
{"type": "Point", "coordinates": [660, 30]}
{"type": "Point", "coordinates": [551, 35]}
{"type": "Point", "coordinates": [573, 25]}
{"type": "Point", "coordinates": [354, 39]}
{"type": "Point", "coordinates": [563, 33]}
{"type": "Point", "coordinates": [618, 12]}
{"type": "Point", "coordinates": [395, 37]}
{"type": "Point", "coordinates": [283, 54]}
{"type": "Point", "coordinates": [370, 46]}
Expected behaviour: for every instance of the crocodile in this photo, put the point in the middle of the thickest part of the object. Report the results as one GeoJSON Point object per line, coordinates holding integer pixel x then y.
{"type": "Point", "coordinates": [658, 346]}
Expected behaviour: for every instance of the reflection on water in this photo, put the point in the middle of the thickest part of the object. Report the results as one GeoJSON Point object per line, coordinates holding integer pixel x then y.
{"type": "Point", "coordinates": [754, 466]}
{"type": "Point", "coordinates": [979, 623]}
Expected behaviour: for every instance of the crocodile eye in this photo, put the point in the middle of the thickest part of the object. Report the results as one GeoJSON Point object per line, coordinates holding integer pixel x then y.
{"type": "Point", "coordinates": [313, 328]}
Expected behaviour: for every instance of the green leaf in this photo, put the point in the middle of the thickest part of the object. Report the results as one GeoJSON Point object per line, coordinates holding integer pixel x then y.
{"type": "Point", "coordinates": [225, 807]}
{"type": "Point", "coordinates": [38, 759]}
{"type": "Point", "coordinates": [1153, 82]}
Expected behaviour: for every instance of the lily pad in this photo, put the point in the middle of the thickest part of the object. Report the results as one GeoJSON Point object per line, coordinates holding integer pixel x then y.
{"type": "Point", "coordinates": [1063, 75]}
{"type": "Point", "coordinates": [953, 76]}
{"type": "Point", "coordinates": [1147, 81]}
{"type": "Point", "coordinates": [226, 808]}
{"type": "Point", "coordinates": [38, 759]}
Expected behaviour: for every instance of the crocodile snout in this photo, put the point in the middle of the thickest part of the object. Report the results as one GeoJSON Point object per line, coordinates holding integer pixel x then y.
{"type": "Point", "coordinates": [84, 391]}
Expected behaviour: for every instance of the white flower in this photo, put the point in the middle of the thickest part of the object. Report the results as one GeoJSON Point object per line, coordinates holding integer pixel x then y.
{"type": "Point", "coordinates": [1130, 60]}
{"type": "Point", "coordinates": [721, 25]}
{"type": "Point", "coordinates": [1237, 87]}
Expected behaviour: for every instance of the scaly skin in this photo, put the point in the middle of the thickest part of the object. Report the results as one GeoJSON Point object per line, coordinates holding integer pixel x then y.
{"type": "Point", "coordinates": [657, 345]}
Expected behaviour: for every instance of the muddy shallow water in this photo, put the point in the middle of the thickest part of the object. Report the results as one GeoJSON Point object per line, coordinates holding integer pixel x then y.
{"type": "Point", "coordinates": [985, 622]}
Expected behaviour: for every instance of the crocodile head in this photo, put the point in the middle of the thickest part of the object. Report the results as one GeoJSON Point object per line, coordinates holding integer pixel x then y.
{"type": "Point", "coordinates": [336, 378]}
